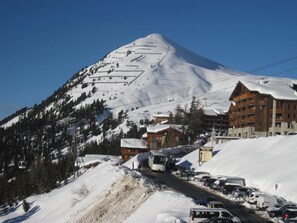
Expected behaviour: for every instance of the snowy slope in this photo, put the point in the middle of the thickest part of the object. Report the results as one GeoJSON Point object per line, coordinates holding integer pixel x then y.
{"type": "Point", "coordinates": [154, 73]}
{"type": "Point", "coordinates": [115, 196]}
{"type": "Point", "coordinates": [106, 193]}
{"type": "Point", "coordinates": [263, 162]}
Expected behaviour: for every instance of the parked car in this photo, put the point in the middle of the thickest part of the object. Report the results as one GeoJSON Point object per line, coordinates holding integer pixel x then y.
{"type": "Point", "coordinates": [291, 220]}
{"type": "Point", "coordinates": [201, 214]}
{"type": "Point", "coordinates": [209, 182]}
{"type": "Point", "coordinates": [277, 211]}
{"type": "Point", "coordinates": [206, 200]}
{"type": "Point", "coordinates": [198, 175]}
{"type": "Point", "coordinates": [218, 184]}
{"type": "Point", "coordinates": [289, 213]}
{"type": "Point", "coordinates": [215, 204]}
{"type": "Point", "coordinates": [267, 200]}
{"type": "Point", "coordinates": [186, 174]}
{"type": "Point", "coordinates": [218, 220]}
{"type": "Point", "coordinates": [235, 180]}
{"type": "Point", "coordinates": [228, 188]}
{"type": "Point", "coordinates": [242, 193]}
{"type": "Point", "coordinates": [201, 180]}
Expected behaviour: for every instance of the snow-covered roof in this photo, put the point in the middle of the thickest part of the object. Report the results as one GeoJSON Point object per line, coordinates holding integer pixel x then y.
{"type": "Point", "coordinates": [214, 111]}
{"type": "Point", "coordinates": [144, 135]}
{"type": "Point", "coordinates": [277, 88]}
{"type": "Point", "coordinates": [161, 116]}
{"type": "Point", "coordinates": [159, 128]}
{"type": "Point", "coordinates": [134, 143]}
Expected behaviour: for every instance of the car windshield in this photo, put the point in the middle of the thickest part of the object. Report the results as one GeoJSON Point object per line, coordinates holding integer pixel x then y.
{"type": "Point", "coordinates": [218, 205]}
{"type": "Point", "coordinates": [159, 160]}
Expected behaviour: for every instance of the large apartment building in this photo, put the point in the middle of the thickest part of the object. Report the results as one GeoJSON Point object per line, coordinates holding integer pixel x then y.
{"type": "Point", "coordinates": [264, 108]}
{"type": "Point", "coordinates": [215, 119]}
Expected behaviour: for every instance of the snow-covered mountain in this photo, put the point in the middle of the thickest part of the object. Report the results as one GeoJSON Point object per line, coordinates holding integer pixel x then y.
{"type": "Point", "coordinates": [152, 74]}
{"type": "Point", "coordinates": [154, 71]}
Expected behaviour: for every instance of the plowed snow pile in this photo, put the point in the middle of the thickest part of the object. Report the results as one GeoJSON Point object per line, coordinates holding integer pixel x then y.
{"type": "Point", "coordinates": [118, 203]}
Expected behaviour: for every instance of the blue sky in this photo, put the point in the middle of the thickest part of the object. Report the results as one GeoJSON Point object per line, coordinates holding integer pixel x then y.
{"type": "Point", "coordinates": [43, 43]}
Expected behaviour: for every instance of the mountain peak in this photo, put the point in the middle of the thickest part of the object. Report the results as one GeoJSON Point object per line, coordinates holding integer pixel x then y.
{"type": "Point", "coordinates": [149, 71]}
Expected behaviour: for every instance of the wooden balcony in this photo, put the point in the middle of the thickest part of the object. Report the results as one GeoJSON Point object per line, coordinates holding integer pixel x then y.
{"type": "Point", "coordinates": [250, 111]}
{"type": "Point", "coordinates": [244, 97]}
{"type": "Point", "coordinates": [251, 119]}
{"type": "Point", "coordinates": [250, 103]}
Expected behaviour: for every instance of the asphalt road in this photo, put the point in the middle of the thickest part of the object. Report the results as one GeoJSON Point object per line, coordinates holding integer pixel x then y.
{"type": "Point", "coordinates": [190, 190]}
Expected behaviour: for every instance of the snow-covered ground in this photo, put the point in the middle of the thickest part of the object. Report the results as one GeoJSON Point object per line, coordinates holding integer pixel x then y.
{"type": "Point", "coordinates": [114, 193]}
{"type": "Point", "coordinates": [263, 162]}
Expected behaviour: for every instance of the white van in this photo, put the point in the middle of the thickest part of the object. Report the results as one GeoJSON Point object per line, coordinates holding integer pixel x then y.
{"type": "Point", "coordinates": [201, 214]}
{"type": "Point", "coordinates": [235, 180]}
{"type": "Point", "coordinates": [266, 200]}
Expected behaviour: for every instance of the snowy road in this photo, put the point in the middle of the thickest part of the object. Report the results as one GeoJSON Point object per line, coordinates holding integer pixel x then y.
{"type": "Point", "coordinates": [246, 215]}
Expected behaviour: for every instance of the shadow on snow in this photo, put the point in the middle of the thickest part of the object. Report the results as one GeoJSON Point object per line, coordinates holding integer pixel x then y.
{"type": "Point", "coordinates": [24, 216]}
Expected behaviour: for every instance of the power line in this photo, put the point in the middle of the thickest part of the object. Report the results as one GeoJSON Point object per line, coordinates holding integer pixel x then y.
{"type": "Point", "coordinates": [285, 71]}
{"type": "Point", "coordinates": [271, 65]}
{"type": "Point", "coordinates": [217, 81]}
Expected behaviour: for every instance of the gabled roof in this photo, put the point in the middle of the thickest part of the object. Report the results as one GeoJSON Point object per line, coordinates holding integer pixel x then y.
{"type": "Point", "coordinates": [134, 143]}
{"type": "Point", "coordinates": [161, 116]}
{"type": "Point", "coordinates": [160, 128]}
{"type": "Point", "coordinates": [282, 89]}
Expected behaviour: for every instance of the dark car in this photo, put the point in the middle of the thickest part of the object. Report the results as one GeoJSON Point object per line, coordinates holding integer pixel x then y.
{"type": "Point", "coordinates": [291, 220]}
{"type": "Point", "coordinates": [242, 192]}
{"type": "Point", "coordinates": [206, 200]}
{"type": "Point", "coordinates": [228, 188]}
{"type": "Point", "coordinates": [218, 184]}
{"type": "Point", "coordinates": [289, 213]}
{"type": "Point", "coordinates": [277, 212]}
{"type": "Point", "coordinates": [218, 220]}
{"type": "Point", "coordinates": [209, 181]}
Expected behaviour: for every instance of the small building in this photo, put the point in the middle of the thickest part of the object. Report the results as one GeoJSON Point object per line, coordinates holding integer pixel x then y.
{"type": "Point", "coordinates": [131, 147]}
{"type": "Point", "coordinates": [161, 118]}
{"type": "Point", "coordinates": [160, 136]}
{"type": "Point", "coordinates": [264, 108]}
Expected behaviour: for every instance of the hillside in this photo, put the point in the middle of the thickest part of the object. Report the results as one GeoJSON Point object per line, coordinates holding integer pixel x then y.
{"type": "Point", "coordinates": [263, 162]}
{"type": "Point", "coordinates": [107, 189]}
{"type": "Point", "coordinates": [103, 103]}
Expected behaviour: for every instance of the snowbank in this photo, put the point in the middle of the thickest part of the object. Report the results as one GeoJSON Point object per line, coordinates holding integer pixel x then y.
{"type": "Point", "coordinates": [266, 163]}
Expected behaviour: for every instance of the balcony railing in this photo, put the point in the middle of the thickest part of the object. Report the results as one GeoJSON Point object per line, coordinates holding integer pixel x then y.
{"type": "Point", "coordinates": [243, 97]}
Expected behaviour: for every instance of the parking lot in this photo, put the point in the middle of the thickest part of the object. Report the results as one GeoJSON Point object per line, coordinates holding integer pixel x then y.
{"type": "Point", "coordinates": [246, 215]}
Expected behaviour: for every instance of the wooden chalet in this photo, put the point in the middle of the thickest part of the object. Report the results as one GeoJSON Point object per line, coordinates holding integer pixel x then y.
{"type": "Point", "coordinates": [131, 147]}
{"type": "Point", "coordinates": [161, 118]}
{"type": "Point", "coordinates": [265, 108]}
{"type": "Point", "coordinates": [160, 136]}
